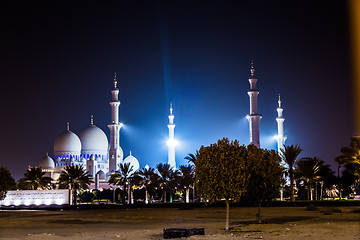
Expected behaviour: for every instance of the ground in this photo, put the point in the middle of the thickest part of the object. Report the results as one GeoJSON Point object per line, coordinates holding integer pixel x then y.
{"type": "Point", "coordinates": [290, 223]}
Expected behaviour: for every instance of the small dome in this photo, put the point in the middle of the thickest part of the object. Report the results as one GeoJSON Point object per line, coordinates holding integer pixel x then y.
{"type": "Point", "coordinates": [93, 139]}
{"type": "Point", "coordinates": [57, 160]}
{"type": "Point", "coordinates": [92, 158]}
{"type": "Point", "coordinates": [102, 175]}
{"type": "Point", "coordinates": [72, 159]}
{"type": "Point", "coordinates": [67, 142]}
{"type": "Point", "coordinates": [46, 162]}
{"type": "Point", "coordinates": [133, 162]}
{"type": "Point", "coordinates": [82, 160]}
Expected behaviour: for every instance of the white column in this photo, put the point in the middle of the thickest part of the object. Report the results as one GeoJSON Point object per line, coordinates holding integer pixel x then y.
{"type": "Point", "coordinates": [171, 141]}
{"type": "Point", "coordinates": [254, 117]}
{"type": "Point", "coordinates": [280, 138]}
{"type": "Point", "coordinates": [115, 151]}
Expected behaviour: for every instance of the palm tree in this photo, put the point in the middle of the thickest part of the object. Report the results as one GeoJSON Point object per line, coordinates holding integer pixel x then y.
{"type": "Point", "coordinates": [308, 170]}
{"type": "Point", "coordinates": [166, 174]}
{"type": "Point", "coordinates": [123, 177]}
{"type": "Point", "coordinates": [351, 155]}
{"type": "Point", "coordinates": [289, 155]}
{"type": "Point", "coordinates": [147, 178]}
{"type": "Point", "coordinates": [191, 157]}
{"type": "Point", "coordinates": [34, 179]}
{"type": "Point", "coordinates": [187, 179]}
{"type": "Point", "coordinates": [74, 178]}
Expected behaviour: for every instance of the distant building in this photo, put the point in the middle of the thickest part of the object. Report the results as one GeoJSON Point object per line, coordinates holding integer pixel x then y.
{"type": "Point", "coordinates": [280, 138]}
{"type": "Point", "coordinates": [254, 117]}
{"type": "Point", "coordinates": [90, 148]}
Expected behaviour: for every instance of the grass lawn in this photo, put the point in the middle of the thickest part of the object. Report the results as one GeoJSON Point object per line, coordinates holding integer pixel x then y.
{"type": "Point", "coordinates": [288, 223]}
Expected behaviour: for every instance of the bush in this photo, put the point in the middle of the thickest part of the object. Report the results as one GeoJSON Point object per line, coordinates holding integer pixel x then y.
{"type": "Point", "coordinates": [356, 210]}
{"type": "Point", "coordinates": [311, 207]}
{"type": "Point", "coordinates": [331, 210]}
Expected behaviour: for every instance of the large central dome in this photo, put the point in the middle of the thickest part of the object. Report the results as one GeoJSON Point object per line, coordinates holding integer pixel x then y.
{"type": "Point", "coordinates": [67, 142]}
{"type": "Point", "coordinates": [93, 139]}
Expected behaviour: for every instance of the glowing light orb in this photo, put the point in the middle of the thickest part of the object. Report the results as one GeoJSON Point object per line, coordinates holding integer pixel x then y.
{"type": "Point", "coordinates": [172, 142]}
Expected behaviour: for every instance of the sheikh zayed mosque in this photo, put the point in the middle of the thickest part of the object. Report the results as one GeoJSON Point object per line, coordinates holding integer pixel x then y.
{"type": "Point", "coordinates": [91, 149]}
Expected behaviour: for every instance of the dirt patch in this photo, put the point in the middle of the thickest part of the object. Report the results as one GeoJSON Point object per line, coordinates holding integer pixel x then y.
{"type": "Point", "coordinates": [279, 223]}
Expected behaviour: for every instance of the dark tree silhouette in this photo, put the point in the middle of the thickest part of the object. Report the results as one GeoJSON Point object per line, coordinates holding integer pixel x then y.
{"type": "Point", "coordinates": [289, 155]}
{"type": "Point", "coordinates": [34, 179]}
{"type": "Point", "coordinates": [74, 178]}
{"type": "Point", "coordinates": [7, 182]}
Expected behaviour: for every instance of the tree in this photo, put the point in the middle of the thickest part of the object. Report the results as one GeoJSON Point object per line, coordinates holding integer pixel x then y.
{"type": "Point", "coordinates": [34, 179]}
{"type": "Point", "coordinates": [165, 177]}
{"type": "Point", "coordinates": [265, 173]}
{"type": "Point", "coordinates": [74, 178]}
{"type": "Point", "coordinates": [186, 179]}
{"type": "Point", "coordinates": [123, 177]}
{"type": "Point", "coordinates": [192, 157]}
{"type": "Point", "coordinates": [351, 155]}
{"type": "Point", "coordinates": [308, 170]}
{"type": "Point", "coordinates": [220, 172]}
{"type": "Point", "coordinates": [7, 182]}
{"type": "Point", "coordinates": [289, 155]}
{"type": "Point", "coordinates": [148, 179]}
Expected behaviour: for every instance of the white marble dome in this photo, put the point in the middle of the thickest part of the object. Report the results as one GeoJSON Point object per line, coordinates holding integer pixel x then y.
{"type": "Point", "coordinates": [93, 139]}
{"type": "Point", "coordinates": [67, 142]}
{"type": "Point", "coordinates": [46, 162]}
{"type": "Point", "coordinates": [133, 162]}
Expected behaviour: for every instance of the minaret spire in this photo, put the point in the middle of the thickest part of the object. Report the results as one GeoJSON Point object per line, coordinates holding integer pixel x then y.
{"type": "Point", "coordinates": [280, 138]}
{"type": "Point", "coordinates": [115, 81]}
{"type": "Point", "coordinates": [171, 141]}
{"type": "Point", "coordinates": [67, 126]}
{"type": "Point", "coordinates": [115, 152]}
{"type": "Point", "coordinates": [92, 120]}
{"type": "Point", "coordinates": [254, 117]}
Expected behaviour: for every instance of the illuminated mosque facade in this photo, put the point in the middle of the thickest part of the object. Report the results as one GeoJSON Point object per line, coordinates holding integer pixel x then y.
{"type": "Point", "coordinates": [90, 148]}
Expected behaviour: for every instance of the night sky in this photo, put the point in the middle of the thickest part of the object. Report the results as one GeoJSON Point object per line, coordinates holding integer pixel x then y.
{"type": "Point", "coordinates": [58, 61]}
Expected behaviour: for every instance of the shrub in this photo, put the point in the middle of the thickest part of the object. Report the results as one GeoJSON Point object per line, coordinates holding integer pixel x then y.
{"type": "Point", "coordinates": [311, 207]}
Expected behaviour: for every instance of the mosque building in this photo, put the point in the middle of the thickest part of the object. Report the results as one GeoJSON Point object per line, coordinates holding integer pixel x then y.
{"type": "Point", "coordinates": [90, 148]}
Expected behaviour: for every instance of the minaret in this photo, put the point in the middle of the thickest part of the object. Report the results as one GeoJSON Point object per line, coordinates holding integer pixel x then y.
{"type": "Point", "coordinates": [115, 151]}
{"type": "Point", "coordinates": [280, 138]}
{"type": "Point", "coordinates": [171, 141]}
{"type": "Point", "coordinates": [254, 117]}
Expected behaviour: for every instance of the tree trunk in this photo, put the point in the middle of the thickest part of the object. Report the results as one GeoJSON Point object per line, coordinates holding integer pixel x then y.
{"type": "Point", "coordinates": [227, 214]}
{"type": "Point", "coordinates": [292, 195]}
{"type": "Point", "coordinates": [75, 196]}
{"type": "Point", "coordinates": [194, 194]}
{"type": "Point", "coordinates": [187, 195]}
{"type": "Point", "coordinates": [170, 196]}
{"type": "Point", "coordinates": [164, 196]}
{"type": "Point", "coordinates": [259, 212]}
{"type": "Point", "coordinates": [311, 192]}
{"type": "Point", "coordinates": [316, 192]}
{"type": "Point", "coordinates": [146, 196]}
{"type": "Point", "coordinates": [132, 196]}
{"type": "Point", "coordinates": [321, 190]}
{"type": "Point", "coordinates": [128, 190]}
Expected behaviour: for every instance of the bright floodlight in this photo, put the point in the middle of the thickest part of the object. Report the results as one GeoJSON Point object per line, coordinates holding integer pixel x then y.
{"type": "Point", "coordinates": [172, 142]}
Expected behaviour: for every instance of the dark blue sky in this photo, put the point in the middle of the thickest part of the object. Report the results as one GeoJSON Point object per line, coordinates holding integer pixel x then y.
{"type": "Point", "coordinates": [58, 61]}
